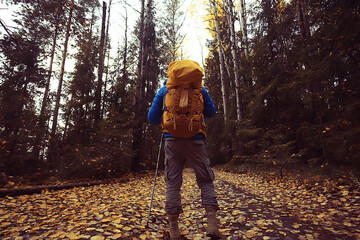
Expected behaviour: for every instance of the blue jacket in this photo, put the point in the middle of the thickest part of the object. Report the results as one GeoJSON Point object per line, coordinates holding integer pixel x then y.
{"type": "Point", "coordinates": [156, 111]}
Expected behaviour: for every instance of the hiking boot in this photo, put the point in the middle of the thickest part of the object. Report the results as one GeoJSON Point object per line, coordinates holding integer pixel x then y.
{"type": "Point", "coordinates": [174, 227]}
{"type": "Point", "coordinates": [212, 230]}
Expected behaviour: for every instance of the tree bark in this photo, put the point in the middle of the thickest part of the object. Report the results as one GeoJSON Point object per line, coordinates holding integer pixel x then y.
{"type": "Point", "coordinates": [62, 70]}
{"type": "Point", "coordinates": [244, 27]}
{"type": "Point", "coordinates": [106, 49]}
{"type": "Point", "coordinates": [101, 67]}
{"type": "Point", "coordinates": [47, 85]}
{"type": "Point", "coordinates": [141, 44]}
{"type": "Point", "coordinates": [173, 35]}
{"type": "Point", "coordinates": [226, 64]}
{"type": "Point", "coordinates": [221, 60]}
{"type": "Point", "coordinates": [137, 135]}
{"type": "Point", "coordinates": [245, 39]}
{"type": "Point", "coordinates": [235, 61]}
{"type": "Point", "coordinates": [67, 117]}
{"type": "Point", "coordinates": [42, 117]}
{"type": "Point", "coordinates": [125, 45]}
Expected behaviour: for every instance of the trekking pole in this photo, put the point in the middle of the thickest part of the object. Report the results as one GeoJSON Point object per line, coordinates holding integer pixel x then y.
{"type": "Point", "coordinates": [156, 171]}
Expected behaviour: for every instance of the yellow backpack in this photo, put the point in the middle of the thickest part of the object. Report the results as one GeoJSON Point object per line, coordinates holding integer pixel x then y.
{"type": "Point", "coordinates": [184, 103]}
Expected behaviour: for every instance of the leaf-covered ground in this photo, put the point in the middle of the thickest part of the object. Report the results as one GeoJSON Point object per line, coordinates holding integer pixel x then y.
{"type": "Point", "coordinates": [251, 208]}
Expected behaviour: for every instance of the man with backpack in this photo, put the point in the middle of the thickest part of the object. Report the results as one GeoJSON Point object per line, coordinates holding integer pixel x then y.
{"type": "Point", "coordinates": [181, 106]}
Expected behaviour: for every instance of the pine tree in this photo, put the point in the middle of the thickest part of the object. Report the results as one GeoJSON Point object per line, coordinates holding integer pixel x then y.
{"type": "Point", "coordinates": [147, 79]}
{"type": "Point", "coordinates": [22, 76]}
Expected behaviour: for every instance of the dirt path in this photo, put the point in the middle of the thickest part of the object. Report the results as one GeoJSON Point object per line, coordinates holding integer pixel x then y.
{"type": "Point", "coordinates": [250, 209]}
{"type": "Point", "coordinates": [257, 210]}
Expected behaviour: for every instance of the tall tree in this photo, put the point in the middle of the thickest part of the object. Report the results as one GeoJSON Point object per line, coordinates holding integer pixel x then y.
{"type": "Point", "coordinates": [236, 67]}
{"type": "Point", "coordinates": [22, 75]}
{"type": "Point", "coordinates": [146, 79]}
{"type": "Point", "coordinates": [244, 27]}
{"type": "Point", "coordinates": [55, 17]}
{"type": "Point", "coordinates": [173, 19]}
{"type": "Point", "coordinates": [101, 66]}
{"type": "Point", "coordinates": [124, 61]}
{"type": "Point", "coordinates": [140, 90]}
{"type": "Point", "coordinates": [222, 62]}
{"type": "Point", "coordinates": [107, 55]}
{"type": "Point", "coordinates": [62, 70]}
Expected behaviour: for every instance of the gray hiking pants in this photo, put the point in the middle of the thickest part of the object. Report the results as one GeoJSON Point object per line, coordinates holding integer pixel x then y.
{"type": "Point", "coordinates": [194, 152]}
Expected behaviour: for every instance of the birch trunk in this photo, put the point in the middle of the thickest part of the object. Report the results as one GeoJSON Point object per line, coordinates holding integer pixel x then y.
{"type": "Point", "coordinates": [244, 27]}
{"type": "Point", "coordinates": [226, 63]}
{"type": "Point", "coordinates": [222, 77]}
{"type": "Point", "coordinates": [245, 40]}
{"type": "Point", "coordinates": [235, 61]}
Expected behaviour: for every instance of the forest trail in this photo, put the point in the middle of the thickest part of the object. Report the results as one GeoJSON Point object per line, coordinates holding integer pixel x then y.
{"type": "Point", "coordinates": [251, 208]}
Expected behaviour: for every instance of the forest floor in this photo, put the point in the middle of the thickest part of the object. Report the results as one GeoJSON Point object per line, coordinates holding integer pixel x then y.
{"type": "Point", "coordinates": [252, 207]}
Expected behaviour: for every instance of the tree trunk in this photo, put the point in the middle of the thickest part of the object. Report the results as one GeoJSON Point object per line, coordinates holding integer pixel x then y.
{"type": "Point", "coordinates": [221, 60]}
{"type": "Point", "coordinates": [40, 189]}
{"type": "Point", "coordinates": [105, 85]}
{"type": "Point", "coordinates": [67, 117]}
{"type": "Point", "coordinates": [67, 114]}
{"type": "Point", "coordinates": [137, 137]}
{"type": "Point", "coordinates": [236, 62]}
{"type": "Point", "coordinates": [239, 110]}
{"type": "Point", "coordinates": [245, 39]}
{"type": "Point", "coordinates": [244, 27]}
{"type": "Point", "coordinates": [125, 45]}
{"type": "Point", "coordinates": [107, 28]}
{"type": "Point", "coordinates": [106, 49]}
{"type": "Point", "coordinates": [226, 64]}
{"type": "Point", "coordinates": [101, 67]}
{"type": "Point", "coordinates": [42, 117]}
{"type": "Point", "coordinates": [304, 27]}
{"type": "Point", "coordinates": [141, 43]}
{"type": "Point", "coordinates": [62, 70]}
{"type": "Point", "coordinates": [47, 86]}
{"type": "Point", "coordinates": [54, 147]}
{"type": "Point", "coordinates": [312, 86]}
{"type": "Point", "coordinates": [173, 34]}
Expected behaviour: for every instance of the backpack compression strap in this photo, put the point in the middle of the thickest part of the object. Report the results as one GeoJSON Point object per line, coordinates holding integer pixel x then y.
{"type": "Point", "coordinates": [184, 98]}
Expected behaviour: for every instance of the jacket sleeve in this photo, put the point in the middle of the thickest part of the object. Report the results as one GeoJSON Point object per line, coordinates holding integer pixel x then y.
{"type": "Point", "coordinates": [209, 107]}
{"type": "Point", "coordinates": [156, 109]}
